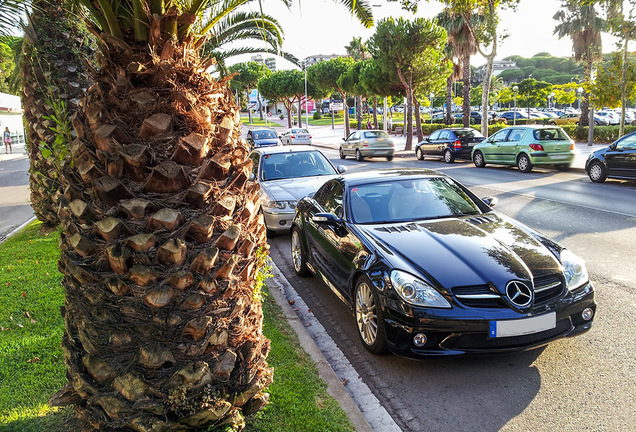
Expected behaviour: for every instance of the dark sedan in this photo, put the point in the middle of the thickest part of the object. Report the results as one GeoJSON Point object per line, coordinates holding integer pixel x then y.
{"type": "Point", "coordinates": [449, 144]}
{"type": "Point", "coordinates": [616, 161]}
{"type": "Point", "coordinates": [429, 269]}
{"type": "Point", "coordinates": [262, 138]}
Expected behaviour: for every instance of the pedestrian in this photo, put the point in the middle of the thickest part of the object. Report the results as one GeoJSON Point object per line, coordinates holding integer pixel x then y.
{"type": "Point", "coordinates": [369, 124]}
{"type": "Point", "coordinates": [7, 141]}
{"type": "Point", "coordinates": [389, 125]}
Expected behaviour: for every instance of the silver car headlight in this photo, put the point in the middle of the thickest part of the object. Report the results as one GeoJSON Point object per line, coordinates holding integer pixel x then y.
{"type": "Point", "coordinates": [269, 203]}
{"type": "Point", "coordinates": [417, 292]}
{"type": "Point", "coordinates": [574, 270]}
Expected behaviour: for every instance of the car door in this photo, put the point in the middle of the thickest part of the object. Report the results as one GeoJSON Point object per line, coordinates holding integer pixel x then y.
{"type": "Point", "coordinates": [509, 148]}
{"type": "Point", "coordinates": [324, 242]}
{"type": "Point", "coordinates": [352, 142]}
{"type": "Point", "coordinates": [250, 138]}
{"type": "Point", "coordinates": [621, 162]}
{"type": "Point", "coordinates": [492, 150]}
{"type": "Point", "coordinates": [428, 145]}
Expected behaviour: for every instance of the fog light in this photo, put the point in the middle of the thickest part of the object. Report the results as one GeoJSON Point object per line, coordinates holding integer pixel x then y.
{"type": "Point", "coordinates": [587, 314]}
{"type": "Point", "coordinates": [282, 223]}
{"type": "Point", "coordinates": [419, 340]}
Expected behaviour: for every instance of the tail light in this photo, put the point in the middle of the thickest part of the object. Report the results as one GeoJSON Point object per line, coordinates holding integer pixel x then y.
{"type": "Point", "coordinates": [309, 136]}
{"type": "Point", "coordinates": [457, 144]}
{"type": "Point", "coordinates": [572, 145]}
{"type": "Point", "coordinates": [536, 147]}
{"type": "Point", "coordinates": [293, 137]}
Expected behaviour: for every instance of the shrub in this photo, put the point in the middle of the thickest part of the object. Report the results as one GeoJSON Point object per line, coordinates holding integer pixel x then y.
{"type": "Point", "coordinates": [317, 115]}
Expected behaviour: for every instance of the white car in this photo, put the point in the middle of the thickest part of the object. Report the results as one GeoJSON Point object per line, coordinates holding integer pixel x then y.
{"type": "Point", "coordinates": [295, 136]}
{"type": "Point", "coordinates": [287, 174]}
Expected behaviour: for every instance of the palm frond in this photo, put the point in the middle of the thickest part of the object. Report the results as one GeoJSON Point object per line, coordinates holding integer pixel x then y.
{"type": "Point", "coordinates": [361, 9]}
{"type": "Point", "coordinates": [12, 12]}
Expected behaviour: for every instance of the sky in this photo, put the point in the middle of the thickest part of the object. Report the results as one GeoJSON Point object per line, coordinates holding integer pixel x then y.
{"type": "Point", "coordinates": [325, 27]}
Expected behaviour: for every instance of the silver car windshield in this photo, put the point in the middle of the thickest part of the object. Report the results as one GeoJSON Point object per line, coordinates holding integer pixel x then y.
{"type": "Point", "coordinates": [295, 164]}
{"type": "Point", "coordinates": [407, 200]}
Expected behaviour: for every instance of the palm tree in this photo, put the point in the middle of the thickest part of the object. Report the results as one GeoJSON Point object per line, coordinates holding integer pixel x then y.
{"type": "Point", "coordinates": [53, 80]}
{"type": "Point", "coordinates": [160, 232]}
{"type": "Point", "coordinates": [357, 50]}
{"type": "Point", "coordinates": [584, 26]}
{"type": "Point", "coordinates": [11, 13]}
{"type": "Point", "coordinates": [463, 45]}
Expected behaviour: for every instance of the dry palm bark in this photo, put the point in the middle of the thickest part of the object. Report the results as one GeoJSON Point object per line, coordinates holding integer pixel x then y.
{"type": "Point", "coordinates": [54, 79]}
{"type": "Point", "coordinates": [160, 232]}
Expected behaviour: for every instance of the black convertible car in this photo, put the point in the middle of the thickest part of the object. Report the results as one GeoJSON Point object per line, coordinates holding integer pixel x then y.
{"type": "Point", "coordinates": [427, 268]}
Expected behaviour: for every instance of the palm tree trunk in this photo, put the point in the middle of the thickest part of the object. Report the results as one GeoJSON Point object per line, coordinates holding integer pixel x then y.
{"type": "Point", "coordinates": [621, 130]}
{"type": "Point", "coordinates": [585, 104]}
{"type": "Point", "coordinates": [449, 100]}
{"type": "Point", "coordinates": [300, 113]}
{"type": "Point", "coordinates": [53, 79]}
{"type": "Point", "coordinates": [160, 228]}
{"type": "Point", "coordinates": [359, 111]}
{"type": "Point", "coordinates": [466, 90]}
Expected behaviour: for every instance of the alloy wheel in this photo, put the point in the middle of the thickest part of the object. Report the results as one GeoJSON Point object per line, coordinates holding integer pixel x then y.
{"type": "Point", "coordinates": [448, 156]}
{"type": "Point", "coordinates": [366, 315]}
{"type": "Point", "coordinates": [358, 155]}
{"type": "Point", "coordinates": [597, 173]}
{"type": "Point", "coordinates": [523, 163]}
{"type": "Point", "coordinates": [341, 152]}
{"type": "Point", "coordinates": [419, 154]}
{"type": "Point", "coordinates": [478, 159]}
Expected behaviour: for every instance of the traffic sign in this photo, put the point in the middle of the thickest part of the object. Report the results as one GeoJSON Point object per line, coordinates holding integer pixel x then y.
{"type": "Point", "coordinates": [269, 113]}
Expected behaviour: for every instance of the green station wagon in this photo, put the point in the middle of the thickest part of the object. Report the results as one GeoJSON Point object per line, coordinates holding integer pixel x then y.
{"type": "Point", "coordinates": [526, 146]}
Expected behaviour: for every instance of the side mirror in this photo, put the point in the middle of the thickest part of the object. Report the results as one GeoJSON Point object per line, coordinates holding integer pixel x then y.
{"type": "Point", "coordinates": [490, 201]}
{"type": "Point", "coordinates": [344, 139]}
{"type": "Point", "coordinates": [252, 177]}
{"type": "Point", "coordinates": [613, 146]}
{"type": "Point", "coordinates": [341, 169]}
{"type": "Point", "coordinates": [326, 219]}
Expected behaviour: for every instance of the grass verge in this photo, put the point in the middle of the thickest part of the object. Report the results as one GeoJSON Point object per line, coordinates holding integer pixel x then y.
{"type": "Point", "coordinates": [32, 368]}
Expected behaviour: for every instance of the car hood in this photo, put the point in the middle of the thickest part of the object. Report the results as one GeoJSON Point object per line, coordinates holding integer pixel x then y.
{"type": "Point", "coordinates": [465, 251]}
{"type": "Point", "coordinates": [293, 189]}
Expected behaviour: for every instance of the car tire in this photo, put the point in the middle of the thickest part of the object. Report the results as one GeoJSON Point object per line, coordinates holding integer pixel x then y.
{"type": "Point", "coordinates": [478, 159]}
{"type": "Point", "coordinates": [368, 314]}
{"type": "Point", "coordinates": [596, 123]}
{"type": "Point", "coordinates": [299, 257]}
{"type": "Point", "coordinates": [341, 152]}
{"type": "Point", "coordinates": [523, 163]}
{"type": "Point", "coordinates": [389, 158]}
{"type": "Point", "coordinates": [552, 123]}
{"type": "Point", "coordinates": [596, 172]}
{"type": "Point", "coordinates": [271, 233]}
{"type": "Point", "coordinates": [448, 156]}
{"type": "Point", "coordinates": [577, 123]}
{"type": "Point", "coordinates": [419, 154]}
{"type": "Point", "coordinates": [359, 155]}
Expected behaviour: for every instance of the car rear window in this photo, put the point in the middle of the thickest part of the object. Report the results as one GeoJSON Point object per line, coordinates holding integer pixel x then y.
{"type": "Point", "coordinates": [263, 134]}
{"type": "Point", "coordinates": [468, 133]}
{"type": "Point", "coordinates": [550, 134]}
{"type": "Point", "coordinates": [376, 134]}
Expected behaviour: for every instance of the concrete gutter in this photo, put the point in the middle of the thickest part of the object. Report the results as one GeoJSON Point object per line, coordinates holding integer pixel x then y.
{"type": "Point", "coordinates": [364, 410]}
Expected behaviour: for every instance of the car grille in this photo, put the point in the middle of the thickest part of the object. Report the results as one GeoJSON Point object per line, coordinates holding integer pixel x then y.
{"type": "Point", "coordinates": [482, 341]}
{"type": "Point", "coordinates": [484, 296]}
{"type": "Point", "coordinates": [547, 288]}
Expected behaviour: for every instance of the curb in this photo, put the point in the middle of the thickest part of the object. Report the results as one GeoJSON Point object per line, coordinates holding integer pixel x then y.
{"type": "Point", "coordinates": [363, 409]}
{"type": "Point", "coordinates": [16, 230]}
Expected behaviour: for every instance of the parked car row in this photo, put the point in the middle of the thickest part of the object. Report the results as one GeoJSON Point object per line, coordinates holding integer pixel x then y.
{"type": "Point", "coordinates": [266, 137]}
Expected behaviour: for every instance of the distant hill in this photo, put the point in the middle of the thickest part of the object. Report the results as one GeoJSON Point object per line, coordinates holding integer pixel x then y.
{"type": "Point", "coordinates": [543, 67]}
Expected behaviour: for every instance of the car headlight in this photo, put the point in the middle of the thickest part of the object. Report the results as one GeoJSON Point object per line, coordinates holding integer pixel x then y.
{"type": "Point", "coordinates": [574, 270]}
{"type": "Point", "coordinates": [417, 292]}
{"type": "Point", "coordinates": [280, 205]}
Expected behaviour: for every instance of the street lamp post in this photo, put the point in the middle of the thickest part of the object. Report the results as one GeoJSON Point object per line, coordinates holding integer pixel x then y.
{"type": "Point", "coordinates": [432, 96]}
{"type": "Point", "coordinates": [306, 110]}
{"type": "Point", "coordinates": [514, 120]}
{"type": "Point", "coordinates": [580, 91]}
{"type": "Point", "coordinates": [550, 101]}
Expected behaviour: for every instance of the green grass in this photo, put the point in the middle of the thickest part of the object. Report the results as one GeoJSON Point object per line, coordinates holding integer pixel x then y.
{"type": "Point", "coordinates": [32, 369]}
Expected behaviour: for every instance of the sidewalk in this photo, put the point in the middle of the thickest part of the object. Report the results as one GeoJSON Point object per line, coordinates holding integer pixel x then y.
{"type": "Point", "coordinates": [18, 152]}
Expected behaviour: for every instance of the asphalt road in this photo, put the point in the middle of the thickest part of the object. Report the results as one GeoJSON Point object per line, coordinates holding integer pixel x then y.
{"type": "Point", "coordinates": [580, 384]}
{"type": "Point", "coordinates": [14, 194]}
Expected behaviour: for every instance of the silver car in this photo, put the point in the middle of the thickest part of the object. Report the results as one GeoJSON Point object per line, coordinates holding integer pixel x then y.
{"type": "Point", "coordinates": [287, 174]}
{"type": "Point", "coordinates": [295, 136]}
{"type": "Point", "coordinates": [367, 143]}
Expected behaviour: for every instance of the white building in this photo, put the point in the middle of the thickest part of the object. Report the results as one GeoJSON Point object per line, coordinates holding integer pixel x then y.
{"type": "Point", "coordinates": [317, 58]}
{"type": "Point", "coordinates": [270, 62]}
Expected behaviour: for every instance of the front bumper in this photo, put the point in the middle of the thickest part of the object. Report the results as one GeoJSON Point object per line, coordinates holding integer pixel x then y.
{"type": "Point", "coordinates": [459, 331]}
{"type": "Point", "coordinates": [278, 220]}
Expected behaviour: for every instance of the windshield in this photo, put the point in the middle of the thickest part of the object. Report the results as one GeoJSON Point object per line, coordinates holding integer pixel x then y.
{"type": "Point", "coordinates": [295, 164]}
{"type": "Point", "coordinates": [468, 133]}
{"type": "Point", "coordinates": [264, 134]}
{"type": "Point", "coordinates": [407, 200]}
{"type": "Point", "coordinates": [551, 134]}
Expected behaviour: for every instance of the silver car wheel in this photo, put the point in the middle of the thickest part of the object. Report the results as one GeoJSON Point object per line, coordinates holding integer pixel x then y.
{"type": "Point", "coordinates": [366, 315]}
{"type": "Point", "coordinates": [296, 252]}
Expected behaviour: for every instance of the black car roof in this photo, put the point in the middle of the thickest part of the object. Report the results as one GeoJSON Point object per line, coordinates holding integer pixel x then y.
{"type": "Point", "coordinates": [366, 177]}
